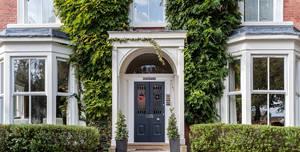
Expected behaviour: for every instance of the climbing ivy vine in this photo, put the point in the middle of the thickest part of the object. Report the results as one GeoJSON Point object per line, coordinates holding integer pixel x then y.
{"type": "Point", "coordinates": [86, 22]}
{"type": "Point", "coordinates": [209, 23]}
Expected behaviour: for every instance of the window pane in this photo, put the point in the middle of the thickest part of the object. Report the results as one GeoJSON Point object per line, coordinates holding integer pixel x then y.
{"type": "Point", "coordinates": [38, 109]}
{"type": "Point", "coordinates": [260, 74]}
{"type": "Point", "coordinates": [62, 76]}
{"type": "Point", "coordinates": [48, 12]}
{"type": "Point", "coordinates": [21, 109]}
{"type": "Point", "coordinates": [156, 10]}
{"type": "Point", "coordinates": [141, 11]}
{"type": "Point", "coordinates": [34, 11]}
{"type": "Point", "coordinates": [37, 71]}
{"type": "Point", "coordinates": [277, 110]}
{"type": "Point", "coordinates": [259, 109]}
{"type": "Point", "coordinates": [61, 110]}
{"type": "Point", "coordinates": [277, 73]}
{"type": "Point", "coordinates": [21, 75]}
{"type": "Point", "coordinates": [148, 63]}
{"type": "Point", "coordinates": [251, 10]}
{"type": "Point", "coordinates": [1, 77]}
{"type": "Point", "coordinates": [235, 76]}
{"type": "Point", "coordinates": [266, 10]}
{"type": "Point", "coordinates": [235, 109]}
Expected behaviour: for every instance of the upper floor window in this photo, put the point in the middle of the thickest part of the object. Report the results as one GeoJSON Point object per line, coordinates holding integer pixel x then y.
{"type": "Point", "coordinates": [36, 12]}
{"type": "Point", "coordinates": [259, 10]}
{"type": "Point", "coordinates": [148, 12]}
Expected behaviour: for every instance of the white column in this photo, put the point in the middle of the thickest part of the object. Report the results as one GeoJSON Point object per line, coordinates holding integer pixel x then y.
{"type": "Point", "coordinates": [51, 83]}
{"type": "Point", "coordinates": [73, 111]}
{"type": "Point", "coordinates": [246, 68]}
{"type": "Point", "coordinates": [7, 98]}
{"type": "Point", "coordinates": [290, 87]}
{"type": "Point", "coordinates": [114, 93]}
{"type": "Point", "coordinates": [224, 110]}
{"type": "Point", "coordinates": [180, 73]}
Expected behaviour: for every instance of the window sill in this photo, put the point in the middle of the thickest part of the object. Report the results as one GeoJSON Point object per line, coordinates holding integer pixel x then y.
{"type": "Point", "coordinates": [148, 25]}
{"type": "Point", "coordinates": [266, 23]}
{"type": "Point", "coordinates": [52, 25]}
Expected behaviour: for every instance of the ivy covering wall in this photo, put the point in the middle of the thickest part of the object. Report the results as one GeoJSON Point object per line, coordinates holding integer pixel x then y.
{"type": "Point", "coordinates": [87, 22]}
{"type": "Point", "coordinates": [209, 23]}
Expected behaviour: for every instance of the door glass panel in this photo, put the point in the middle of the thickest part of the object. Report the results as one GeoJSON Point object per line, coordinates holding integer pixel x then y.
{"type": "Point", "coordinates": [141, 14]}
{"type": "Point", "coordinates": [141, 99]}
{"type": "Point", "coordinates": [38, 109]}
{"type": "Point", "coordinates": [260, 73]}
{"type": "Point", "coordinates": [277, 110]}
{"type": "Point", "coordinates": [37, 73]}
{"type": "Point", "coordinates": [21, 76]}
{"type": "Point", "coordinates": [235, 76]}
{"type": "Point", "coordinates": [62, 76]}
{"type": "Point", "coordinates": [266, 10]}
{"type": "Point", "coordinates": [61, 109]}
{"type": "Point", "coordinates": [251, 10]}
{"type": "Point", "coordinates": [34, 11]}
{"type": "Point", "coordinates": [157, 99]}
{"type": "Point", "coordinates": [259, 109]}
{"type": "Point", "coordinates": [277, 73]}
{"type": "Point", "coordinates": [21, 109]}
{"type": "Point", "coordinates": [235, 109]}
{"type": "Point", "coordinates": [156, 11]}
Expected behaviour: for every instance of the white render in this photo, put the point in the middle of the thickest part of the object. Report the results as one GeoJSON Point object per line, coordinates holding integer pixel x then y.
{"type": "Point", "coordinates": [172, 44]}
{"type": "Point", "coordinates": [51, 49]}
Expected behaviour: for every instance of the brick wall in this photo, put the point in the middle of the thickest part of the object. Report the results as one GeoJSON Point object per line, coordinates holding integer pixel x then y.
{"type": "Point", "coordinates": [292, 11]}
{"type": "Point", "coordinates": [8, 12]}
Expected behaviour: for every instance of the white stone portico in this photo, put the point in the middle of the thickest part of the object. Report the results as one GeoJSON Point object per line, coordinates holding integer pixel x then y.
{"type": "Point", "coordinates": [123, 83]}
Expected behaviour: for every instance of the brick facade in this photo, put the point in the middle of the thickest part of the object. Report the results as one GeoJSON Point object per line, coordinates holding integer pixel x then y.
{"type": "Point", "coordinates": [8, 12]}
{"type": "Point", "coordinates": [292, 11]}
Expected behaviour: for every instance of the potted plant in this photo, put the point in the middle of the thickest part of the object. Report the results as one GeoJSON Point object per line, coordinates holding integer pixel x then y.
{"type": "Point", "coordinates": [121, 133]}
{"type": "Point", "coordinates": [173, 133]}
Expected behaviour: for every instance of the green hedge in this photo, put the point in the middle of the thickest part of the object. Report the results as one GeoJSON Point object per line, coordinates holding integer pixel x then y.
{"type": "Point", "coordinates": [46, 138]}
{"type": "Point", "coordinates": [244, 138]}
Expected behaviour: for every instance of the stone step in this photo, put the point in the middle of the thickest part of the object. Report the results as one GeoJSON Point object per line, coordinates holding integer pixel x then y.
{"type": "Point", "coordinates": [148, 147]}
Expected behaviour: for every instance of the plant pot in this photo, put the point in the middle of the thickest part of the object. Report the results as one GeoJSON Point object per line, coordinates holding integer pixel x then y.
{"type": "Point", "coordinates": [121, 145]}
{"type": "Point", "coordinates": [174, 145]}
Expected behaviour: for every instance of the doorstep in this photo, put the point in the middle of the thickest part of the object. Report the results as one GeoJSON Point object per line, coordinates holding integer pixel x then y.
{"type": "Point", "coordinates": [149, 147]}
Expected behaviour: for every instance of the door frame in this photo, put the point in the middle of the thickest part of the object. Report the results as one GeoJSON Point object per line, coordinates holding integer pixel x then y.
{"type": "Point", "coordinates": [127, 89]}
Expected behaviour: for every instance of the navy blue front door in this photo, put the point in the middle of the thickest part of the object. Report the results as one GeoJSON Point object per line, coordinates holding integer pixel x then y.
{"type": "Point", "coordinates": [149, 118]}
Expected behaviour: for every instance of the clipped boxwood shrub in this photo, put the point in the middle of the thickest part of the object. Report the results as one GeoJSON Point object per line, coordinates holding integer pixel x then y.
{"type": "Point", "coordinates": [46, 138]}
{"type": "Point", "coordinates": [244, 138]}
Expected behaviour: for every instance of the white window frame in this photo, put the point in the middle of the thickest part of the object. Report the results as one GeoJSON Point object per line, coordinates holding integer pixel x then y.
{"type": "Point", "coordinates": [146, 24]}
{"type": "Point", "coordinates": [21, 19]}
{"type": "Point", "coordinates": [1, 89]}
{"type": "Point", "coordinates": [29, 93]}
{"type": "Point", "coordinates": [233, 93]}
{"type": "Point", "coordinates": [62, 94]}
{"type": "Point", "coordinates": [278, 8]}
{"type": "Point", "coordinates": [269, 92]}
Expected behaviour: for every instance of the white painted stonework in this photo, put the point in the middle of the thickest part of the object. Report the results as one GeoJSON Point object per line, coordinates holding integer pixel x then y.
{"type": "Point", "coordinates": [172, 44]}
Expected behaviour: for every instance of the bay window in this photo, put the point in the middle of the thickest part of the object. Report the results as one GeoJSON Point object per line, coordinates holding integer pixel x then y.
{"type": "Point", "coordinates": [29, 96]}
{"type": "Point", "coordinates": [148, 12]}
{"type": "Point", "coordinates": [36, 12]}
{"type": "Point", "coordinates": [268, 93]}
{"type": "Point", "coordinates": [235, 99]}
{"type": "Point", "coordinates": [62, 91]}
{"type": "Point", "coordinates": [259, 10]}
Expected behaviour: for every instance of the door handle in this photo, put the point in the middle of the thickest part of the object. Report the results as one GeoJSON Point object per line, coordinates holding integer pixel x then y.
{"type": "Point", "coordinates": [157, 118]}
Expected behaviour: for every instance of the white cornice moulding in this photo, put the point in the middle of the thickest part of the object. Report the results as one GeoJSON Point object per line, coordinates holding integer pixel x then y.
{"type": "Point", "coordinates": [262, 37]}
{"type": "Point", "coordinates": [35, 39]}
{"type": "Point", "coordinates": [267, 23]}
{"type": "Point", "coordinates": [54, 25]}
